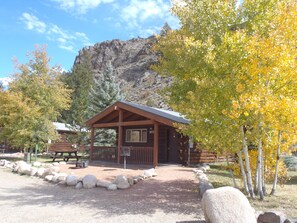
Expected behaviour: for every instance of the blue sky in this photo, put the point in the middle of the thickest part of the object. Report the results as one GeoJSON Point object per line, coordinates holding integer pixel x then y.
{"type": "Point", "coordinates": [66, 26]}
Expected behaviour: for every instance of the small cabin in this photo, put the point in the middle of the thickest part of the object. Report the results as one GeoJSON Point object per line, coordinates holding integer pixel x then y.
{"type": "Point", "coordinates": [148, 134]}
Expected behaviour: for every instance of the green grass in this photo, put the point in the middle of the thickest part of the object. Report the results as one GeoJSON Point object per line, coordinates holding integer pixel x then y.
{"type": "Point", "coordinates": [284, 200]}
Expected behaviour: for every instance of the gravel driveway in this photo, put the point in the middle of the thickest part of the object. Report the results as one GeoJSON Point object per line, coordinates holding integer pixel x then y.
{"type": "Point", "coordinates": [170, 197]}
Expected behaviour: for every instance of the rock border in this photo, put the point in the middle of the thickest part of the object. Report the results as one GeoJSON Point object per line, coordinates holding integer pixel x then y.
{"type": "Point", "coordinates": [51, 173]}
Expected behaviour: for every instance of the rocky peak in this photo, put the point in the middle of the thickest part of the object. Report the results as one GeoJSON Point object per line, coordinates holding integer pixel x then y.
{"type": "Point", "coordinates": [131, 61]}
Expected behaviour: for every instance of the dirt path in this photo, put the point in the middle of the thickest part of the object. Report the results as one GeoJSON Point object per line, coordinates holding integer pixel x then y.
{"type": "Point", "coordinates": [171, 197]}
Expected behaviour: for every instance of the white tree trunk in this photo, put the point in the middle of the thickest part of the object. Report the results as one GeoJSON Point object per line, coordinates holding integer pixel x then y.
{"type": "Point", "coordinates": [260, 166]}
{"type": "Point", "coordinates": [247, 164]}
{"type": "Point", "coordinates": [243, 172]}
{"type": "Point", "coordinates": [277, 164]}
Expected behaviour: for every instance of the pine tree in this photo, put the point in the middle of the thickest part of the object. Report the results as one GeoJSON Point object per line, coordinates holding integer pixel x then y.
{"type": "Point", "coordinates": [80, 80]}
{"type": "Point", "coordinates": [104, 93]}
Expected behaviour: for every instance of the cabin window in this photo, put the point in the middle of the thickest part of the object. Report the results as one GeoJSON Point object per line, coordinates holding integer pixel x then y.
{"type": "Point", "coordinates": [136, 135]}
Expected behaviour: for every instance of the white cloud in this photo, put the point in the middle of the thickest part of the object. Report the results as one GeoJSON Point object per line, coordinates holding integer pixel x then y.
{"type": "Point", "coordinates": [80, 6]}
{"type": "Point", "coordinates": [5, 81]}
{"type": "Point", "coordinates": [139, 11]}
{"type": "Point", "coordinates": [65, 39]}
{"type": "Point", "coordinates": [33, 23]}
{"type": "Point", "coordinates": [142, 15]}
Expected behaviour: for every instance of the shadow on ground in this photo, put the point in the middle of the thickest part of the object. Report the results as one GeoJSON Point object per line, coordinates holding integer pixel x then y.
{"type": "Point", "coordinates": [145, 198]}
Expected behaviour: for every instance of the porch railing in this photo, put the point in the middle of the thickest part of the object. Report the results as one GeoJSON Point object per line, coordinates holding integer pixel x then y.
{"type": "Point", "coordinates": [141, 155]}
{"type": "Point", "coordinates": [104, 153]}
{"type": "Point", "coordinates": [138, 155]}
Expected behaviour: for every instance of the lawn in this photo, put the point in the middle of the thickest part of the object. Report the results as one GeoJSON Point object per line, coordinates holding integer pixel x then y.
{"type": "Point", "coordinates": [285, 198]}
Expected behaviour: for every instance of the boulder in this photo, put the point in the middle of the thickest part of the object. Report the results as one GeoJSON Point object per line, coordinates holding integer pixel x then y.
{"type": "Point", "coordinates": [46, 172]}
{"type": "Point", "coordinates": [36, 164]}
{"type": "Point", "coordinates": [55, 178]}
{"type": "Point", "coordinates": [54, 169]}
{"type": "Point", "coordinates": [33, 171]}
{"type": "Point", "coordinates": [55, 163]}
{"type": "Point", "coordinates": [271, 217]}
{"type": "Point", "coordinates": [130, 180]}
{"type": "Point", "coordinates": [150, 173]}
{"type": "Point", "coordinates": [40, 172]}
{"type": "Point", "coordinates": [103, 183]}
{"type": "Point", "coordinates": [227, 204]}
{"type": "Point", "coordinates": [62, 176]}
{"type": "Point", "coordinates": [89, 181]}
{"type": "Point", "coordinates": [49, 177]}
{"type": "Point", "coordinates": [121, 182]}
{"type": "Point", "coordinates": [79, 185]}
{"type": "Point", "coordinates": [71, 180]}
{"type": "Point", "coordinates": [4, 162]}
{"type": "Point", "coordinates": [62, 163]}
{"type": "Point", "coordinates": [203, 187]}
{"type": "Point", "coordinates": [9, 165]}
{"type": "Point", "coordinates": [24, 168]}
{"type": "Point", "coordinates": [112, 187]}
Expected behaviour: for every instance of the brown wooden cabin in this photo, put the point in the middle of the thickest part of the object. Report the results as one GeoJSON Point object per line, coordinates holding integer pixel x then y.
{"type": "Point", "coordinates": [63, 143]}
{"type": "Point", "coordinates": [150, 134]}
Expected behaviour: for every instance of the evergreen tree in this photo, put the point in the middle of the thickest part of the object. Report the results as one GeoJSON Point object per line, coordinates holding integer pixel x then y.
{"type": "Point", "coordinates": [80, 80]}
{"type": "Point", "coordinates": [104, 93]}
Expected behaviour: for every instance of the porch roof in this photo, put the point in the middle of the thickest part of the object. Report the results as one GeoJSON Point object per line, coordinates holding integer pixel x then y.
{"type": "Point", "coordinates": [155, 114]}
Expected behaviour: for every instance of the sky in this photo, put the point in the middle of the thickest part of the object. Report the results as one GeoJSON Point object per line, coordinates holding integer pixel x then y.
{"type": "Point", "coordinates": [66, 26]}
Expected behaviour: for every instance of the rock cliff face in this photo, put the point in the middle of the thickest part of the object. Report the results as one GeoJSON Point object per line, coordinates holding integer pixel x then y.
{"type": "Point", "coordinates": [131, 61]}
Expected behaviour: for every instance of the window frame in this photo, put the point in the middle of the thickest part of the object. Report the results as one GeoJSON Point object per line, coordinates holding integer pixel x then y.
{"type": "Point", "coordinates": [141, 138]}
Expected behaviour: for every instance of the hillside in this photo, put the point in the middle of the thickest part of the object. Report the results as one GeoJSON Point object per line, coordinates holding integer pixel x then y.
{"type": "Point", "coordinates": [131, 61]}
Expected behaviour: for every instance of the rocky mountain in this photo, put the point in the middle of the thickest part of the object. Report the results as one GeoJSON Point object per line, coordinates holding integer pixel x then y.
{"type": "Point", "coordinates": [131, 61]}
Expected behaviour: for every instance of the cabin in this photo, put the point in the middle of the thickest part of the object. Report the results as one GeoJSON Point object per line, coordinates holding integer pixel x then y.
{"type": "Point", "coordinates": [145, 135]}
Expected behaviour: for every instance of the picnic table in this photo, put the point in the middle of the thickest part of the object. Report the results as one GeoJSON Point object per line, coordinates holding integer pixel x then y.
{"type": "Point", "coordinates": [66, 155]}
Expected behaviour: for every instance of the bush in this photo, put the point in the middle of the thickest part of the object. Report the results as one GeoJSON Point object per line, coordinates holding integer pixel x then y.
{"type": "Point", "coordinates": [291, 162]}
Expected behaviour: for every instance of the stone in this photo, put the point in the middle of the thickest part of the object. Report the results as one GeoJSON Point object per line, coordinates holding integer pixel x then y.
{"type": "Point", "coordinates": [54, 169]}
{"type": "Point", "coordinates": [36, 164]}
{"type": "Point", "coordinates": [46, 172]}
{"type": "Point", "coordinates": [48, 165]}
{"type": "Point", "coordinates": [227, 204]}
{"type": "Point", "coordinates": [55, 163]}
{"type": "Point", "coordinates": [89, 181]}
{"type": "Point", "coordinates": [24, 168]}
{"type": "Point", "coordinates": [62, 163]}
{"type": "Point", "coordinates": [150, 173]}
{"type": "Point", "coordinates": [40, 172]}
{"type": "Point", "coordinates": [130, 180]}
{"type": "Point", "coordinates": [9, 165]}
{"type": "Point", "coordinates": [79, 185]}
{"type": "Point", "coordinates": [34, 171]}
{"type": "Point", "coordinates": [203, 186]}
{"type": "Point", "coordinates": [49, 177]}
{"type": "Point", "coordinates": [62, 176]}
{"type": "Point", "coordinates": [4, 162]}
{"type": "Point", "coordinates": [271, 217]}
{"type": "Point", "coordinates": [122, 182]}
{"type": "Point", "coordinates": [103, 183]}
{"type": "Point", "coordinates": [112, 187]}
{"type": "Point", "coordinates": [55, 178]}
{"type": "Point", "coordinates": [71, 180]}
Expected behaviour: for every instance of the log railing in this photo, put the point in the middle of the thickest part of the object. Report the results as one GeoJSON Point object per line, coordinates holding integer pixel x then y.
{"type": "Point", "coordinates": [141, 155]}
{"type": "Point", "coordinates": [138, 155]}
{"type": "Point", "coordinates": [104, 153]}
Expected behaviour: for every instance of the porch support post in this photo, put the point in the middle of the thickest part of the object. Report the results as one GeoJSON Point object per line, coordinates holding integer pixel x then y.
{"type": "Point", "coordinates": [156, 144]}
{"type": "Point", "coordinates": [92, 143]}
{"type": "Point", "coordinates": [120, 136]}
